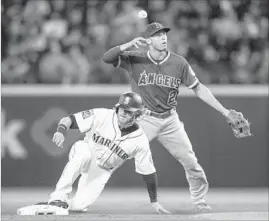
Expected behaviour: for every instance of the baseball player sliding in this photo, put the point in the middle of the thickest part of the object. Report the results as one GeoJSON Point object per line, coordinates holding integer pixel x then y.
{"type": "Point", "coordinates": [112, 136]}
{"type": "Point", "coordinates": [156, 74]}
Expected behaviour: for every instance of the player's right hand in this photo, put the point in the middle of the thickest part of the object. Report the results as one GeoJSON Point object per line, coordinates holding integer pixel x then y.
{"type": "Point", "coordinates": [58, 139]}
{"type": "Point", "coordinates": [159, 209]}
{"type": "Point", "coordinates": [139, 41]}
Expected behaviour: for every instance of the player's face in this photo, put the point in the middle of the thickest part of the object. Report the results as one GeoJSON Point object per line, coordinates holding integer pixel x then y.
{"type": "Point", "coordinates": [125, 117]}
{"type": "Point", "coordinates": [159, 40]}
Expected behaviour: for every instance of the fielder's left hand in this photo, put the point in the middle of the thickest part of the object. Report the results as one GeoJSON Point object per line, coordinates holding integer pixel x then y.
{"type": "Point", "coordinates": [58, 139]}
{"type": "Point", "coordinates": [159, 209]}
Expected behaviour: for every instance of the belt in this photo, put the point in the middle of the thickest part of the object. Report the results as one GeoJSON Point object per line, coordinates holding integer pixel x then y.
{"type": "Point", "coordinates": [162, 115]}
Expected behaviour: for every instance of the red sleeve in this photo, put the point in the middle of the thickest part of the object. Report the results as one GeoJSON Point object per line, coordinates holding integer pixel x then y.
{"type": "Point", "coordinates": [111, 55]}
{"type": "Point", "coordinates": [117, 58]}
{"type": "Point", "coordinates": [123, 61]}
{"type": "Point", "coordinates": [188, 76]}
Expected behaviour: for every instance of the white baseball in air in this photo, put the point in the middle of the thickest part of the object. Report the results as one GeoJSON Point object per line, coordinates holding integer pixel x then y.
{"type": "Point", "coordinates": [142, 14]}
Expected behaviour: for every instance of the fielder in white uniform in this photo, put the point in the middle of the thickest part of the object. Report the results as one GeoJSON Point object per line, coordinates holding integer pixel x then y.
{"type": "Point", "coordinates": [111, 137]}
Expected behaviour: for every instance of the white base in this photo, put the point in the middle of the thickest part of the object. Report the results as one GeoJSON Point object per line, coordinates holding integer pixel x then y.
{"type": "Point", "coordinates": [41, 210]}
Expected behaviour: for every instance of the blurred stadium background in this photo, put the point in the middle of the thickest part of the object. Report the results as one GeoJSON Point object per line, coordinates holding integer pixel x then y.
{"type": "Point", "coordinates": [51, 66]}
{"type": "Point", "coordinates": [61, 41]}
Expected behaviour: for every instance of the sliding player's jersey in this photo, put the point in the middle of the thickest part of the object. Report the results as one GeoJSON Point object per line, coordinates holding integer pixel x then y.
{"type": "Point", "coordinates": [111, 149]}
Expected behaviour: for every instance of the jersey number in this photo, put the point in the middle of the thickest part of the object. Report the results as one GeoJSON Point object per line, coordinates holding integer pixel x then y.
{"type": "Point", "coordinates": [172, 98]}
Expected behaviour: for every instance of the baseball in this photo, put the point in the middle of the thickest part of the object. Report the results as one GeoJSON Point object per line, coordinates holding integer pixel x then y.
{"type": "Point", "coordinates": [142, 14]}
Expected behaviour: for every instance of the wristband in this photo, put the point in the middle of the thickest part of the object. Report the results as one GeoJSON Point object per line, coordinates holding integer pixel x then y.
{"type": "Point", "coordinates": [62, 129]}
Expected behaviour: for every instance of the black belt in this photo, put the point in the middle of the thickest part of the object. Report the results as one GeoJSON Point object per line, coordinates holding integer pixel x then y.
{"type": "Point", "coordinates": [162, 115]}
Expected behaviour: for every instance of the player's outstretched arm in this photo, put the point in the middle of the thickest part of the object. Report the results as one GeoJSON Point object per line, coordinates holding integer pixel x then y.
{"type": "Point", "coordinates": [63, 126]}
{"type": "Point", "coordinates": [205, 94]}
{"type": "Point", "coordinates": [240, 126]}
{"type": "Point", "coordinates": [151, 182]}
{"type": "Point", "coordinates": [112, 54]}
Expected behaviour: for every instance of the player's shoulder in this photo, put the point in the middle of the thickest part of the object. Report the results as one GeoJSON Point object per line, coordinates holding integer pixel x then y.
{"type": "Point", "coordinates": [103, 112]}
{"type": "Point", "coordinates": [178, 58]}
{"type": "Point", "coordinates": [144, 138]}
{"type": "Point", "coordinates": [138, 133]}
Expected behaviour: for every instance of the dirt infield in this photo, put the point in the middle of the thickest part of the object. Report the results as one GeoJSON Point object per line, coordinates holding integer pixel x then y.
{"type": "Point", "coordinates": [132, 204]}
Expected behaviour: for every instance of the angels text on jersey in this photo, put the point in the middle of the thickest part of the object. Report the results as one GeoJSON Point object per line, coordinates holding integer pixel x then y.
{"type": "Point", "coordinates": [158, 79]}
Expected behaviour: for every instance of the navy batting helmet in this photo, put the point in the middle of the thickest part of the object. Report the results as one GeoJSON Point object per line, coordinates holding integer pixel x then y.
{"type": "Point", "coordinates": [130, 101]}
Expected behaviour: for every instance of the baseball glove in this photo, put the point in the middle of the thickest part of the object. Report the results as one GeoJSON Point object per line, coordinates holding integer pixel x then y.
{"type": "Point", "coordinates": [240, 126]}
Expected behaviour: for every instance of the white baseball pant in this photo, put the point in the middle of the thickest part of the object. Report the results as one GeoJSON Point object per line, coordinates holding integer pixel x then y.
{"type": "Point", "coordinates": [171, 134]}
{"type": "Point", "coordinates": [91, 183]}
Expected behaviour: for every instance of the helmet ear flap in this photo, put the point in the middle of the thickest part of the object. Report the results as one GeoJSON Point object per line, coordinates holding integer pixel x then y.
{"type": "Point", "coordinates": [116, 107]}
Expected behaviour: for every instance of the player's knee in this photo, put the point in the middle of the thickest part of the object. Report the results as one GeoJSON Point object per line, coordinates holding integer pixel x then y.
{"type": "Point", "coordinates": [86, 161]}
{"type": "Point", "coordinates": [187, 159]}
{"type": "Point", "coordinates": [196, 172]}
{"type": "Point", "coordinates": [78, 206]}
{"type": "Point", "coordinates": [79, 149]}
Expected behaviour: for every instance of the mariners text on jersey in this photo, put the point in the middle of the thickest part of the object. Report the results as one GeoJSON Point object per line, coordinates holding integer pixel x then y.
{"type": "Point", "coordinates": [112, 146]}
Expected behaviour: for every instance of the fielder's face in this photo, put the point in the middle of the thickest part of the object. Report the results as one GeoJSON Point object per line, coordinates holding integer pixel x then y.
{"type": "Point", "coordinates": [159, 40]}
{"type": "Point", "coordinates": [125, 118]}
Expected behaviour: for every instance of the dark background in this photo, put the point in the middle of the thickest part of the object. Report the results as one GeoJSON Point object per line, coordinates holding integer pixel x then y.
{"type": "Point", "coordinates": [227, 161]}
